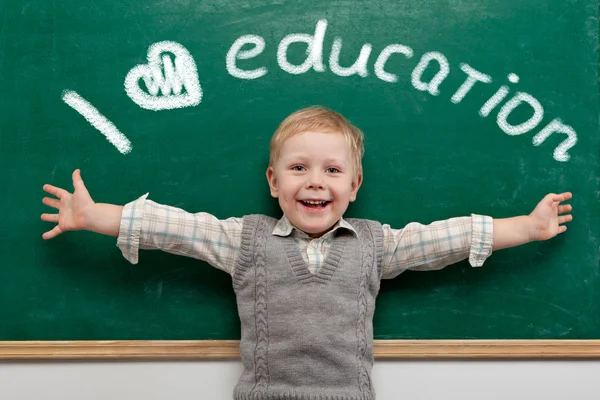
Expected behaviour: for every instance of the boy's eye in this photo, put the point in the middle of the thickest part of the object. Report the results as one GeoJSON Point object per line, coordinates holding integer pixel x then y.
{"type": "Point", "coordinates": [333, 170]}
{"type": "Point", "coordinates": [297, 168]}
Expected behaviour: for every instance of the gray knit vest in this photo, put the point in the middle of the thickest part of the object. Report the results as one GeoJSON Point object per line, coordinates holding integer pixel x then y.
{"type": "Point", "coordinates": [307, 336]}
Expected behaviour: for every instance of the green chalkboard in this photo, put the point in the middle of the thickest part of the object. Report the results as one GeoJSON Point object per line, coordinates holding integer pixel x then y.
{"type": "Point", "coordinates": [467, 106]}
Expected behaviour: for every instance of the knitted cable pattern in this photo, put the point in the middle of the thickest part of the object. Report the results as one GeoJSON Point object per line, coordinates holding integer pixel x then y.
{"type": "Point", "coordinates": [246, 256]}
{"type": "Point", "coordinates": [364, 382]}
{"type": "Point", "coordinates": [261, 315]}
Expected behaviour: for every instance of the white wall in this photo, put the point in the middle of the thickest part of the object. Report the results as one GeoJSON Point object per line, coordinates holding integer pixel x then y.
{"type": "Point", "coordinates": [406, 380]}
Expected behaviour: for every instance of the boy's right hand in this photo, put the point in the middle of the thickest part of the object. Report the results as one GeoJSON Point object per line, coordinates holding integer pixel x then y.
{"type": "Point", "coordinates": [73, 209]}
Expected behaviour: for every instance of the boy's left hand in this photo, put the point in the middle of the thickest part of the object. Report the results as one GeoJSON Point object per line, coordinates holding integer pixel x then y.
{"type": "Point", "coordinates": [546, 218]}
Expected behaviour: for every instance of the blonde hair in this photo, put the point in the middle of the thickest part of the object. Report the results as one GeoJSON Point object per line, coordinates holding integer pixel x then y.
{"type": "Point", "coordinates": [318, 119]}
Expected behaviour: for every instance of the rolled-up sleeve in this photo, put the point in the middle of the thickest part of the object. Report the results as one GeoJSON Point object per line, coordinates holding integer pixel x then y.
{"type": "Point", "coordinates": [434, 246]}
{"type": "Point", "coordinates": [482, 239]}
{"type": "Point", "coordinates": [128, 240]}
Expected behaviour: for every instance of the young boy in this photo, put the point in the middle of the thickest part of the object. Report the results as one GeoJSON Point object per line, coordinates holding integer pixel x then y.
{"type": "Point", "coordinates": [306, 284]}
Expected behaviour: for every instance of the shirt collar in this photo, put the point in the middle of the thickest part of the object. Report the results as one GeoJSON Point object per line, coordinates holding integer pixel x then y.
{"type": "Point", "coordinates": [284, 227]}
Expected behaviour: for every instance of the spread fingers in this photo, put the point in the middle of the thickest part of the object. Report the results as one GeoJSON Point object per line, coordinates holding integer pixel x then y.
{"type": "Point", "coordinates": [53, 233]}
{"type": "Point", "coordinates": [565, 218]}
{"type": "Point", "coordinates": [564, 208]}
{"type": "Point", "coordinates": [51, 202]}
{"type": "Point", "coordinates": [50, 217]}
{"type": "Point", "coordinates": [58, 192]}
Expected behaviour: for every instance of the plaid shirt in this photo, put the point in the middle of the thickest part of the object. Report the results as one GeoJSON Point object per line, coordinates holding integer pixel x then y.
{"type": "Point", "coordinates": [148, 225]}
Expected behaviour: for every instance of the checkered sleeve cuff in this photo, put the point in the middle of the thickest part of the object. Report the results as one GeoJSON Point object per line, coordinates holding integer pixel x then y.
{"type": "Point", "coordinates": [482, 239]}
{"type": "Point", "coordinates": [130, 227]}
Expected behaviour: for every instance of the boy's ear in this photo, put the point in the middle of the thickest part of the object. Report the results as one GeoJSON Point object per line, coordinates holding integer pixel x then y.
{"type": "Point", "coordinates": [272, 182]}
{"type": "Point", "coordinates": [355, 186]}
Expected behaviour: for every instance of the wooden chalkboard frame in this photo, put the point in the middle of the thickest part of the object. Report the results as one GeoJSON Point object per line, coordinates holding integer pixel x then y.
{"type": "Point", "coordinates": [229, 349]}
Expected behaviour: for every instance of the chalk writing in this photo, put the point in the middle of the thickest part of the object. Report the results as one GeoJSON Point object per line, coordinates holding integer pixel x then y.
{"type": "Point", "coordinates": [314, 50]}
{"type": "Point", "coordinates": [385, 55]}
{"type": "Point", "coordinates": [174, 84]}
{"type": "Point", "coordinates": [429, 61]}
{"type": "Point", "coordinates": [97, 120]}
{"type": "Point", "coordinates": [234, 54]}
{"type": "Point", "coordinates": [163, 75]}
{"type": "Point", "coordinates": [474, 76]}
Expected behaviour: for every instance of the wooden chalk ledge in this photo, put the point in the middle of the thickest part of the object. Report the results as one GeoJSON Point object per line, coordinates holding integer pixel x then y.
{"type": "Point", "coordinates": [228, 349]}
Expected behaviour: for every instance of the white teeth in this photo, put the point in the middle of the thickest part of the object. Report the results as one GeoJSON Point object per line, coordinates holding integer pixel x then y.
{"type": "Point", "coordinates": [314, 202]}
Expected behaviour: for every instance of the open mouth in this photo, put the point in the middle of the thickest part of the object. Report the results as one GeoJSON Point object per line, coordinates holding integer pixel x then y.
{"type": "Point", "coordinates": [315, 204]}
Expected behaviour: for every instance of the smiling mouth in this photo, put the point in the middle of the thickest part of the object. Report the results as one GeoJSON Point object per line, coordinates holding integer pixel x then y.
{"type": "Point", "coordinates": [314, 204]}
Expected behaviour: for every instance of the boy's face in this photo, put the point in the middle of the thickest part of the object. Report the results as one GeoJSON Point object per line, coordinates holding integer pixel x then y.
{"type": "Point", "coordinates": [314, 167]}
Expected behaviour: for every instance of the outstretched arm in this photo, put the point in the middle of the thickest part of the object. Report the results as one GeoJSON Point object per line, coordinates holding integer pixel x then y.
{"type": "Point", "coordinates": [433, 246]}
{"type": "Point", "coordinates": [146, 225]}
{"type": "Point", "coordinates": [545, 222]}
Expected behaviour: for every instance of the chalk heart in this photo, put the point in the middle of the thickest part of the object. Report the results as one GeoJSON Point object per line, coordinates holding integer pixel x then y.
{"type": "Point", "coordinates": [163, 75]}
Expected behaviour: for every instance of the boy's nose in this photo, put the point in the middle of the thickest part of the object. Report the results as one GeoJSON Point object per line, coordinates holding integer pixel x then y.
{"type": "Point", "coordinates": [315, 181]}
